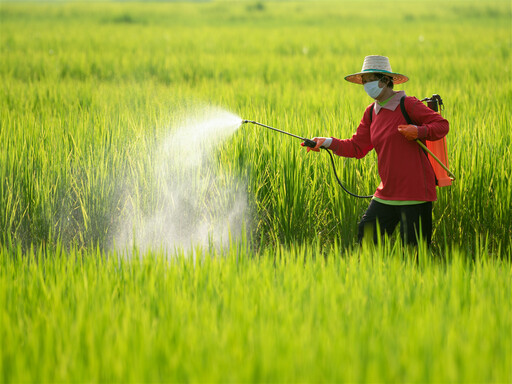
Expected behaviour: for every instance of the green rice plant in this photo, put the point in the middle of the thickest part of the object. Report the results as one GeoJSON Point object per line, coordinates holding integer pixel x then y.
{"type": "Point", "coordinates": [295, 313]}
{"type": "Point", "coordinates": [89, 93]}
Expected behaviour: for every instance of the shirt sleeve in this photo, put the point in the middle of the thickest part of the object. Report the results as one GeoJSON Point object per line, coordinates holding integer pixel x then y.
{"type": "Point", "coordinates": [431, 125]}
{"type": "Point", "coordinates": [360, 143]}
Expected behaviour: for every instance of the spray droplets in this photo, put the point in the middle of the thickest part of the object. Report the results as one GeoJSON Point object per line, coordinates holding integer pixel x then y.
{"type": "Point", "coordinates": [198, 203]}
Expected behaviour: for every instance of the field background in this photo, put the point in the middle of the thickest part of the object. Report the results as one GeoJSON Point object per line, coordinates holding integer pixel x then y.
{"type": "Point", "coordinates": [89, 91]}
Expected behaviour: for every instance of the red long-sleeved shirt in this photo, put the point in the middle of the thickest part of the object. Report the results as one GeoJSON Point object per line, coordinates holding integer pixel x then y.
{"type": "Point", "coordinates": [404, 169]}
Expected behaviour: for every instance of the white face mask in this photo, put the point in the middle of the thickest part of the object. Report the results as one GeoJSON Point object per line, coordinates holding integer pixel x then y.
{"type": "Point", "coordinates": [372, 89]}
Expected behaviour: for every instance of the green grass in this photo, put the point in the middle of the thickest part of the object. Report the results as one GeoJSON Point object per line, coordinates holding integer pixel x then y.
{"type": "Point", "coordinates": [91, 90]}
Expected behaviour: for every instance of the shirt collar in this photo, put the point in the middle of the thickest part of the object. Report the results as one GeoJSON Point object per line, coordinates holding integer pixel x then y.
{"type": "Point", "coordinates": [391, 104]}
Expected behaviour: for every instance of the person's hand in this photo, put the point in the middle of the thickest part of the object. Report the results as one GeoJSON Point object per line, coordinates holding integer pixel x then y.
{"type": "Point", "coordinates": [321, 142]}
{"type": "Point", "coordinates": [410, 131]}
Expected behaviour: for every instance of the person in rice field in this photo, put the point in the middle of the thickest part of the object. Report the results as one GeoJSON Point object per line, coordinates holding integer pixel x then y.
{"type": "Point", "coordinates": [408, 183]}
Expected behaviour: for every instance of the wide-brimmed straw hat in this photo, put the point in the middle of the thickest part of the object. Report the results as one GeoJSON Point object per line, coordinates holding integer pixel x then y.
{"type": "Point", "coordinates": [376, 64]}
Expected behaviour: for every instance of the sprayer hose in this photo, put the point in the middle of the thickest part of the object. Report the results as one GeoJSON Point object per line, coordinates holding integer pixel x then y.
{"type": "Point", "coordinates": [339, 181]}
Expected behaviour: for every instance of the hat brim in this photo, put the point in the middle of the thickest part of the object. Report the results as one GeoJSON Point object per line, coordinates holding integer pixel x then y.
{"type": "Point", "coordinates": [356, 78]}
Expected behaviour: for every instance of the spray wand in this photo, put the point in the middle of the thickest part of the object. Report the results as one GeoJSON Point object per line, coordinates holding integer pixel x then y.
{"type": "Point", "coordinates": [306, 142]}
{"type": "Point", "coordinates": [311, 144]}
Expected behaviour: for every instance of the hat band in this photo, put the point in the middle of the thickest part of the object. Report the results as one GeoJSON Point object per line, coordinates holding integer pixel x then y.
{"type": "Point", "coordinates": [376, 70]}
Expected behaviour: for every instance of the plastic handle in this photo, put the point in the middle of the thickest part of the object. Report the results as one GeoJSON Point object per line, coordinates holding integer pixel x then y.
{"type": "Point", "coordinates": [309, 143]}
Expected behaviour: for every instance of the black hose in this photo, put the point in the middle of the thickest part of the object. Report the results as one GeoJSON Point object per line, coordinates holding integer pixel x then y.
{"type": "Point", "coordinates": [339, 181]}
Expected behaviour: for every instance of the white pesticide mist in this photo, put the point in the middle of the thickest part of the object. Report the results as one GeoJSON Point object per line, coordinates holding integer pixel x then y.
{"type": "Point", "coordinates": [197, 202]}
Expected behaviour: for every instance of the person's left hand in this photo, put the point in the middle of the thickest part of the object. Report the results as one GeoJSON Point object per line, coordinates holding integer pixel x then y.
{"type": "Point", "coordinates": [410, 131]}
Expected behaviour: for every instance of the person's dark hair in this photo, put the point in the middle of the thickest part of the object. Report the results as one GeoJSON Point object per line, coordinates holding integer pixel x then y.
{"type": "Point", "coordinates": [389, 80]}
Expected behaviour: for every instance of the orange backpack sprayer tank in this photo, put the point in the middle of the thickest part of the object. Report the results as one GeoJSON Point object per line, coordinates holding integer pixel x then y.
{"type": "Point", "coordinates": [437, 150]}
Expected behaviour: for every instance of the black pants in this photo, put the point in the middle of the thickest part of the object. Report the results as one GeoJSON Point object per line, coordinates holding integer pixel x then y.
{"type": "Point", "coordinates": [411, 218]}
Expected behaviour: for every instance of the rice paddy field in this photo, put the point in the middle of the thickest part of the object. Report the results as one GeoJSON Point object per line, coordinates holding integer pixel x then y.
{"type": "Point", "coordinates": [145, 236]}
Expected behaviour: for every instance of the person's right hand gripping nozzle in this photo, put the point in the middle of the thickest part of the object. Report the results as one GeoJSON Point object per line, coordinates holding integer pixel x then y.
{"type": "Point", "coordinates": [321, 142]}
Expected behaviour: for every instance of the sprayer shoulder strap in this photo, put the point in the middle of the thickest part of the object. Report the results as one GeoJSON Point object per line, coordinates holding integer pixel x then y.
{"type": "Point", "coordinates": [402, 108]}
{"type": "Point", "coordinates": [404, 111]}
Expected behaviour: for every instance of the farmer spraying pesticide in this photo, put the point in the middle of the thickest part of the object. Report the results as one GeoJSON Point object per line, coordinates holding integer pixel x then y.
{"type": "Point", "coordinates": [408, 181]}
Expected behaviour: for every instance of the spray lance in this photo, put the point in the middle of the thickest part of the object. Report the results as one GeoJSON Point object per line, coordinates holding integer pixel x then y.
{"type": "Point", "coordinates": [311, 144]}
